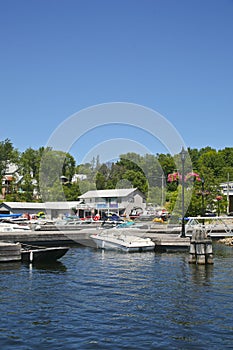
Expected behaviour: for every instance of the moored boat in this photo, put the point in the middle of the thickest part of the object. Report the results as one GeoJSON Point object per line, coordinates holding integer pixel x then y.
{"type": "Point", "coordinates": [112, 240]}
{"type": "Point", "coordinates": [31, 253]}
{"type": "Point", "coordinates": [12, 227]}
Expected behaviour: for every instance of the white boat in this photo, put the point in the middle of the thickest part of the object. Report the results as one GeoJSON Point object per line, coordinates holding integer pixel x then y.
{"type": "Point", "coordinates": [111, 239]}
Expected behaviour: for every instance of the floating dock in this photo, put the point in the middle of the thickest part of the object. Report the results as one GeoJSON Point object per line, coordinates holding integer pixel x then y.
{"type": "Point", "coordinates": [10, 252]}
{"type": "Point", "coordinates": [171, 243]}
{"type": "Point", "coordinates": [163, 241]}
{"type": "Point", "coordinates": [46, 238]}
{"type": "Point", "coordinates": [165, 237]}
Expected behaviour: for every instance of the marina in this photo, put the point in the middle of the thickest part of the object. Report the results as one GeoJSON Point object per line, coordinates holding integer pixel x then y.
{"type": "Point", "coordinates": [162, 240]}
{"type": "Point", "coordinates": [164, 237]}
{"type": "Point", "coordinates": [116, 175]}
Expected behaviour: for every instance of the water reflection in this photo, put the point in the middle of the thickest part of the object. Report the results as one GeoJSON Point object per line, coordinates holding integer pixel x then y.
{"type": "Point", "coordinates": [108, 300]}
{"type": "Point", "coordinates": [55, 266]}
{"type": "Point", "coordinates": [220, 250]}
{"type": "Point", "coordinates": [201, 274]}
{"type": "Point", "coordinates": [10, 266]}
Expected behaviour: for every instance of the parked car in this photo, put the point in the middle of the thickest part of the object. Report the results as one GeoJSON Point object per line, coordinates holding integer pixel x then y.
{"type": "Point", "coordinates": [209, 214]}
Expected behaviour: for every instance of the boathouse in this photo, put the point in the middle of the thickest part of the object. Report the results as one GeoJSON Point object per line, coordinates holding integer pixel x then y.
{"type": "Point", "coordinates": [51, 209]}
{"type": "Point", "coordinates": [21, 207]}
{"type": "Point", "coordinates": [119, 201]}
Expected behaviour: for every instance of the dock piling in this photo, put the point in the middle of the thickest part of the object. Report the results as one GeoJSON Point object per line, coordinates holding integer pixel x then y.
{"type": "Point", "coordinates": [201, 251]}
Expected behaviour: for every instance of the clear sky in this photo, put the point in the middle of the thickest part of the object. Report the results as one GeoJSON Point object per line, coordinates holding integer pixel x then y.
{"type": "Point", "coordinates": [61, 56]}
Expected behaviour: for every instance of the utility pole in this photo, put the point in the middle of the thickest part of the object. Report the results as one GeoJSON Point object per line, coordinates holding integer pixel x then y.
{"type": "Point", "coordinates": [162, 189]}
{"type": "Point", "coordinates": [228, 198]}
{"type": "Point", "coordinates": [183, 154]}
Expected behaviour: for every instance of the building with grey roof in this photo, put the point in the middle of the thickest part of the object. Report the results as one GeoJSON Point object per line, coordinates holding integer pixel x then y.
{"type": "Point", "coordinates": [120, 201]}
{"type": "Point", "coordinates": [51, 209]}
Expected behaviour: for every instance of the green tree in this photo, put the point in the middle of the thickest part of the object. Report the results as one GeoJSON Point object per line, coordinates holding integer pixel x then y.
{"type": "Point", "coordinates": [131, 161]}
{"type": "Point", "coordinates": [211, 160]}
{"type": "Point", "coordinates": [71, 191]}
{"type": "Point", "coordinates": [26, 189]}
{"type": "Point", "coordinates": [54, 164]}
{"type": "Point", "coordinates": [29, 162]}
{"type": "Point", "coordinates": [8, 154]}
{"type": "Point", "coordinates": [194, 155]}
{"type": "Point", "coordinates": [100, 181]}
{"type": "Point", "coordinates": [137, 179]}
{"type": "Point", "coordinates": [29, 169]}
{"type": "Point", "coordinates": [167, 163]}
{"type": "Point", "coordinates": [115, 175]}
{"type": "Point", "coordinates": [68, 168]}
{"type": "Point", "coordinates": [156, 197]}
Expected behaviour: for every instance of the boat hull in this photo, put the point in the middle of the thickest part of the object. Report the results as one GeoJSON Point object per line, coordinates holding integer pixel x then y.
{"type": "Point", "coordinates": [49, 254]}
{"type": "Point", "coordinates": [122, 245]}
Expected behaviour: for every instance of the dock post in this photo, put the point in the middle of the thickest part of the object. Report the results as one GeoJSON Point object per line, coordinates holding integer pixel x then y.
{"type": "Point", "coordinates": [201, 251]}
{"type": "Point", "coordinates": [209, 253]}
{"type": "Point", "coordinates": [31, 256]}
{"type": "Point", "coordinates": [192, 253]}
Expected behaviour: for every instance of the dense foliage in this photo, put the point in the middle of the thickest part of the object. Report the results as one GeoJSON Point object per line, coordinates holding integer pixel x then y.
{"type": "Point", "coordinates": [47, 174]}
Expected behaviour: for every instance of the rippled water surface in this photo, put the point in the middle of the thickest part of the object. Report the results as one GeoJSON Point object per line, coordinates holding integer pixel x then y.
{"type": "Point", "coordinates": [96, 300]}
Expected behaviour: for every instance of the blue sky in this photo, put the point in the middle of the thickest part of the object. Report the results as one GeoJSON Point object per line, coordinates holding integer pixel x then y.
{"type": "Point", "coordinates": [61, 56]}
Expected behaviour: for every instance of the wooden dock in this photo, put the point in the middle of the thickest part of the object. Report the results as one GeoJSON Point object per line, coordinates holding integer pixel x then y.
{"type": "Point", "coordinates": [10, 252]}
{"type": "Point", "coordinates": [171, 244]}
{"type": "Point", "coordinates": [164, 241]}
{"type": "Point", "coordinates": [165, 237]}
{"type": "Point", "coordinates": [49, 238]}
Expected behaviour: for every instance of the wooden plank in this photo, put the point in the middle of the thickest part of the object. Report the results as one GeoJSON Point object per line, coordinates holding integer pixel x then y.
{"type": "Point", "coordinates": [10, 252]}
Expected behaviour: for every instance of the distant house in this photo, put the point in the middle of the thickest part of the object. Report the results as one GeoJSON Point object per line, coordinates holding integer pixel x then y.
{"type": "Point", "coordinates": [12, 181]}
{"type": "Point", "coordinates": [80, 177]}
{"type": "Point", "coordinates": [11, 177]}
{"type": "Point", "coordinates": [227, 190]}
{"type": "Point", "coordinates": [120, 201]}
{"type": "Point", "coordinates": [75, 178]}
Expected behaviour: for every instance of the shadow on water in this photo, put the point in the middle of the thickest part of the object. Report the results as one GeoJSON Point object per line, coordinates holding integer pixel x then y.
{"type": "Point", "coordinates": [221, 250]}
{"type": "Point", "coordinates": [201, 274]}
{"type": "Point", "coordinates": [10, 266]}
{"type": "Point", "coordinates": [55, 266]}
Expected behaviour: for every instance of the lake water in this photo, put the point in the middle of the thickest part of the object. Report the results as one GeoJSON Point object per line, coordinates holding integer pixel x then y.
{"type": "Point", "coordinates": [109, 300]}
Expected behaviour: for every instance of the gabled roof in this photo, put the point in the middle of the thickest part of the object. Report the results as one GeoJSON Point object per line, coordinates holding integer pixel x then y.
{"type": "Point", "coordinates": [23, 205]}
{"type": "Point", "coordinates": [39, 206]}
{"type": "Point", "coordinates": [121, 192]}
{"type": "Point", "coordinates": [61, 205]}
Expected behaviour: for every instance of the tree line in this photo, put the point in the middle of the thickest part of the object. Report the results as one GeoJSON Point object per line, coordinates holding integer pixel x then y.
{"type": "Point", "coordinates": [47, 174]}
